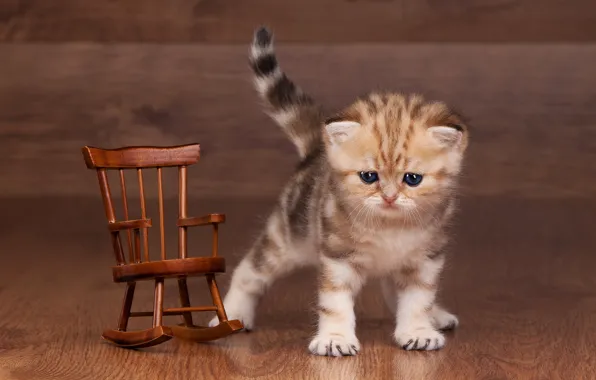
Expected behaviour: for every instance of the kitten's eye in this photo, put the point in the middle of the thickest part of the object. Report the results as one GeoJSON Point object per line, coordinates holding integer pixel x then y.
{"type": "Point", "coordinates": [369, 177]}
{"type": "Point", "coordinates": [412, 179]}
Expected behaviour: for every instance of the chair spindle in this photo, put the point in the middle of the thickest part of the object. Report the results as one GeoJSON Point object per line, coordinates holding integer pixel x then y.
{"type": "Point", "coordinates": [131, 254]}
{"type": "Point", "coordinates": [182, 211]}
{"type": "Point", "coordinates": [162, 234]}
{"type": "Point", "coordinates": [143, 215]}
{"type": "Point", "coordinates": [106, 196]}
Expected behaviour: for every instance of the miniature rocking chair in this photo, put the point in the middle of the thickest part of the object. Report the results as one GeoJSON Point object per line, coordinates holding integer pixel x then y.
{"type": "Point", "coordinates": [138, 268]}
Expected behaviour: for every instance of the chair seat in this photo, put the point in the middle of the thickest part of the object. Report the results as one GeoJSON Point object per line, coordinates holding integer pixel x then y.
{"type": "Point", "coordinates": [168, 268]}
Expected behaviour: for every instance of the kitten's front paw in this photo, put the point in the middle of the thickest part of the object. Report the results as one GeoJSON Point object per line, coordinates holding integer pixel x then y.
{"type": "Point", "coordinates": [442, 319]}
{"type": "Point", "coordinates": [425, 338]}
{"type": "Point", "coordinates": [247, 319]}
{"type": "Point", "coordinates": [334, 345]}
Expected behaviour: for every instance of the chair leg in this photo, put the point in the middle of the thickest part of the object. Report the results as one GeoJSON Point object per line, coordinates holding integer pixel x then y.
{"type": "Point", "coordinates": [158, 303]}
{"type": "Point", "coordinates": [185, 300]}
{"type": "Point", "coordinates": [204, 334]}
{"type": "Point", "coordinates": [221, 312]}
{"type": "Point", "coordinates": [126, 306]}
{"type": "Point", "coordinates": [140, 338]}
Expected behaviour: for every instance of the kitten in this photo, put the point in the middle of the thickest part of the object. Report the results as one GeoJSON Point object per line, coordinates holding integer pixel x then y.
{"type": "Point", "coordinates": [370, 197]}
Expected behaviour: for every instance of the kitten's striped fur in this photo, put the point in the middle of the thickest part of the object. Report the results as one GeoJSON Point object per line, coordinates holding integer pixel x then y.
{"type": "Point", "coordinates": [328, 217]}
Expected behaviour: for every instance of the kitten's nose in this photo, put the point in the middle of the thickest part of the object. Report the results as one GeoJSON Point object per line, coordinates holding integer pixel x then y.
{"type": "Point", "coordinates": [389, 198]}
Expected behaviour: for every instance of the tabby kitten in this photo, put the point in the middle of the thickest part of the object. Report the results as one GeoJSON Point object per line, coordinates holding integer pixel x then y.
{"type": "Point", "coordinates": [370, 198]}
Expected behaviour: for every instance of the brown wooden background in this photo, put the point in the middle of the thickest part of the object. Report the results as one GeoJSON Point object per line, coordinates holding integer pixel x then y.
{"type": "Point", "coordinates": [121, 72]}
{"type": "Point", "coordinates": [312, 21]}
{"type": "Point", "coordinates": [128, 72]}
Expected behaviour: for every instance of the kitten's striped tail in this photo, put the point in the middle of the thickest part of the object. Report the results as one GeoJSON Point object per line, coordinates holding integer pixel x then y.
{"type": "Point", "coordinates": [292, 109]}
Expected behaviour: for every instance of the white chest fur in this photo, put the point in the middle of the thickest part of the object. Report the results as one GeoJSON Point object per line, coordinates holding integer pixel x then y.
{"type": "Point", "coordinates": [383, 251]}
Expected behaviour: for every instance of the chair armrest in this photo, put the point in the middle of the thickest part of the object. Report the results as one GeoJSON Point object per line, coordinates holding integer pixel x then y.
{"type": "Point", "coordinates": [202, 220]}
{"type": "Point", "coordinates": [129, 224]}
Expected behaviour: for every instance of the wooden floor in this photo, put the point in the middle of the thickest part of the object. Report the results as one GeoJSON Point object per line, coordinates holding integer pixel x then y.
{"type": "Point", "coordinates": [521, 278]}
{"type": "Point", "coordinates": [113, 73]}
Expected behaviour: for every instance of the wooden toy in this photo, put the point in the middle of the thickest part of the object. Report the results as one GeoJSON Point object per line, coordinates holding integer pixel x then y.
{"type": "Point", "coordinates": [138, 266]}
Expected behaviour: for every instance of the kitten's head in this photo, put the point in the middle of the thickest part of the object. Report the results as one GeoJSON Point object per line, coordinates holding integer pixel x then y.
{"type": "Point", "coordinates": [396, 155]}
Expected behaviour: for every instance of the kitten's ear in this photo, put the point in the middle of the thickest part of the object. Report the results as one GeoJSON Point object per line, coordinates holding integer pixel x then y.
{"type": "Point", "coordinates": [448, 136]}
{"type": "Point", "coordinates": [340, 131]}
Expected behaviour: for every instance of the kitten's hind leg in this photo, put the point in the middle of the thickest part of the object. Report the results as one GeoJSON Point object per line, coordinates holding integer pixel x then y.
{"type": "Point", "coordinates": [269, 259]}
{"type": "Point", "coordinates": [442, 319]}
{"type": "Point", "coordinates": [389, 294]}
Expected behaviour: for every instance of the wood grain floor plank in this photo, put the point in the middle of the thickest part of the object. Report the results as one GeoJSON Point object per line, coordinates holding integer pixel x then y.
{"type": "Point", "coordinates": [524, 291]}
